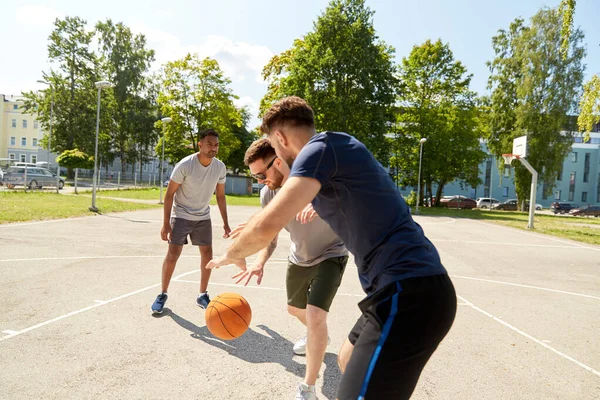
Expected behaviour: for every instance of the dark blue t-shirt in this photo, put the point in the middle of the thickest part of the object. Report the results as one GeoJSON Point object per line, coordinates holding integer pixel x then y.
{"type": "Point", "coordinates": [361, 203]}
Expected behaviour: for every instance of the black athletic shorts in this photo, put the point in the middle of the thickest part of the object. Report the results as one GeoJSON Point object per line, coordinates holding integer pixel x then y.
{"type": "Point", "coordinates": [400, 328]}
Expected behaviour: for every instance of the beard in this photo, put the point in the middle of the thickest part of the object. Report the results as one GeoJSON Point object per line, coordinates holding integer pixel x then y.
{"type": "Point", "coordinates": [275, 183]}
{"type": "Point", "coordinates": [209, 154]}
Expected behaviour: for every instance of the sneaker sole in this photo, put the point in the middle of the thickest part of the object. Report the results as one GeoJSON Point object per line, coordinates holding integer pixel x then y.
{"type": "Point", "coordinates": [157, 312]}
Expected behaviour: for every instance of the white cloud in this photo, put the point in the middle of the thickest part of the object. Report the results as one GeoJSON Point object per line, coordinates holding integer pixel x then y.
{"type": "Point", "coordinates": [237, 59]}
{"type": "Point", "coordinates": [40, 16]}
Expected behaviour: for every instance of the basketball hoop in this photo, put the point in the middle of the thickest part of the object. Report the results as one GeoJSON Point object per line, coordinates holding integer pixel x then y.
{"type": "Point", "coordinates": [508, 158]}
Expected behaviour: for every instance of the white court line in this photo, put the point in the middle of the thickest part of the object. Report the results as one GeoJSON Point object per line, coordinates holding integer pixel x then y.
{"type": "Point", "coordinates": [101, 257]}
{"type": "Point", "coordinates": [506, 243]}
{"type": "Point", "coordinates": [526, 286]}
{"type": "Point", "coordinates": [98, 303]}
{"type": "Point", "coordinates": [520, 332]}
{"type": "Point", "coordinates": [537, 235]}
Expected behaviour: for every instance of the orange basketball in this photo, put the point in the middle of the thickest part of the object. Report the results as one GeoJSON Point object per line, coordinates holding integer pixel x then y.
{"type": "Point", "coordinates": [228, 316]}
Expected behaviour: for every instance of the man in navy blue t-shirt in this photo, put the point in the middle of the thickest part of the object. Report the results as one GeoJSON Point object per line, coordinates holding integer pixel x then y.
{"type": "Point", "coordinates": [411, 303]}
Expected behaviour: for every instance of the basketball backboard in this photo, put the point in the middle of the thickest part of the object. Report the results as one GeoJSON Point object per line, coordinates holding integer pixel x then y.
{"type": "Point", "coordinates": [520, 146]}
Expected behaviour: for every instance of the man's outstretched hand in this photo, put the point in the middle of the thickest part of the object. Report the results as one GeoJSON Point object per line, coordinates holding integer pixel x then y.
{"type": "Point", "coordinates": [225, 260]}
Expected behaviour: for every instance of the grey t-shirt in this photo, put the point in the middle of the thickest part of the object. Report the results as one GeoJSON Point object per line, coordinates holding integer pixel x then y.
{"type": "Point", "coordinates": [312, 242]}
{"type": "Point", "coordinates": [198, 183]}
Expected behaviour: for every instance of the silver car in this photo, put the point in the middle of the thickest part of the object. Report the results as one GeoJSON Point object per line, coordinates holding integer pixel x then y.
{"type": "Point", "coordinates": [37, 178]}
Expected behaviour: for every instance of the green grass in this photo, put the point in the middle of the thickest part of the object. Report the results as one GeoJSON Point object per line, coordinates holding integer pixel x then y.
{"type": "Point", "coordinates": [153, 194]}
{"type": "Point", "coordinates": [19, 206]}
{"type": "Point", "coordinates": [573, 228]}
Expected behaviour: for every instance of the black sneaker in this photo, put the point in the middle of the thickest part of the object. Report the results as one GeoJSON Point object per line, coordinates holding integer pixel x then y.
{"type": "Point", "coordinates": [203, 300]}
{"type": "Point", "coordinates": [159, 303]}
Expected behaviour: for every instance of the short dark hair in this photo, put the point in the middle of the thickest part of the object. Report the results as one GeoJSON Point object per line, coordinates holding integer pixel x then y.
{"type": "Point", "coordinates": [292, 111]}
{"type": "Point", "coordinates": [259, 150]}
{"type": "Point", "coordinates": [207, 132]}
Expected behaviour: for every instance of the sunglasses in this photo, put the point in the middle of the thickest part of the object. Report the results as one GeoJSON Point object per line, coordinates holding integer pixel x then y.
{"type": "Point", "coordinates": [262, 175]}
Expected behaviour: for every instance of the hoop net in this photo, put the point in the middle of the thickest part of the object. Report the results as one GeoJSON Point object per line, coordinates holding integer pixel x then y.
{"type": "Point", "coordinates": [508, 158]}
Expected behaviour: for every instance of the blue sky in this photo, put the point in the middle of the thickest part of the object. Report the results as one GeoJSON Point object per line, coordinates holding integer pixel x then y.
{"type": "Point", "coordinates": [243, 34]}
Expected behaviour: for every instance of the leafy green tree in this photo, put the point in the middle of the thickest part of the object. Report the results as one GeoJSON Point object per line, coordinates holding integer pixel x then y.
{"type": "Point", "coordinates": [590, 100]}
{"type": "Point", "coordinates": [75, 159]}
{"type": "Point", "coordinates": [126, 61]}
{"type": "Point", "coordinates": [436, 104]}
{"type": "Point", "coordinates": [343, 71]}
{"type": "Point", "coordinates": [533, 89]}
{"type": "Point", "coordinates": [72, 83]}
{"type": "Point", "coordinates": [197, 96]}
{"type": "Point", "coordinates": [235, 158]}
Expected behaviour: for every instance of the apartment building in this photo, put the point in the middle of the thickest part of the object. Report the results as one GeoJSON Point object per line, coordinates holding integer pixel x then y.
{"type": "Point", "coordinates": [20, 133]}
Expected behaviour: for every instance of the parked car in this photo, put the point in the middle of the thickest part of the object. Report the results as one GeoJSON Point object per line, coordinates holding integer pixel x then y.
{"type": "Point", "coordinates": [37, 178]}
{"type": "Point", "coordinates": [485, 202]}
{"type": "Point", "coordinates": [586, 211]}
{"type": "Point", "coordinates": [457, 201]}
{"type": "Point", "coordinates": [256, 187]}
{"type": "Point", "coordinates": [561, 207]}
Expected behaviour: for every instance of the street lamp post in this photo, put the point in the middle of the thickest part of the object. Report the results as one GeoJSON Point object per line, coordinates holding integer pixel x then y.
{"type": "Point", "coordinates": [423, 140]}
{"type": "Point", "coordinates": [165, 121]}
{"type": "Point", "coordinates": [100, 85]}
{"type": "Point", "coordinates": [51, 118]}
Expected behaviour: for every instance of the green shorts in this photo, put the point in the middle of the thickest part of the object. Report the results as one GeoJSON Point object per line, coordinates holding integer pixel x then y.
{"type": "Point", "coordinates": [316, 285]}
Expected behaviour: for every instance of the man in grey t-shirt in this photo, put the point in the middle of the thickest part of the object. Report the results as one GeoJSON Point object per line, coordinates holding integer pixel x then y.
{"type": "Point", "coordinates": [316, 264]}
{"type": "Point", "coordinates": [187, 212]}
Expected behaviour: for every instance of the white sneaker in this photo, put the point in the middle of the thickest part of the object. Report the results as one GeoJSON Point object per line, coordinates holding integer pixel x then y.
{"type": "Point", "coordinates": [300, 346]}
{"type": "Point", "coordinates": [306, 392]}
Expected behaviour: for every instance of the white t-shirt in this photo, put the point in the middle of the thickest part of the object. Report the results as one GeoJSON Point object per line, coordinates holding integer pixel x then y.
{"type": "Point", "coordinates": [312, 242]}
{"type": "Point", "coordinates": [198, 183]}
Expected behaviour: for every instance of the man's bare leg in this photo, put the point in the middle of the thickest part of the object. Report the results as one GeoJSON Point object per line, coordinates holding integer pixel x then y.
{"type": "Point", "coordinates": [169, 265]}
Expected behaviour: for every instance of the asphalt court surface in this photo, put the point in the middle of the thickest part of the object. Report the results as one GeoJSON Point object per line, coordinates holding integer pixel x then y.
{"type": "Point", "coordinates": [76, 320]}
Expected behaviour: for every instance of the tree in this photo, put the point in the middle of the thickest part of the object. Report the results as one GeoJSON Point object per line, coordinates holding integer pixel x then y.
{"type": "Point", "coordinates": [343, 71]}
{"type": "Point", "coordinates": [534, 88]}
{"type": "Point", "coordinates": [589, 113]}
{"type": "Point", "coordinates": [75, 159]}
{"type": "Point", "coordinates": [125, 60]}
{"type": "Point", "coordinates": [436, 104]}
{"type": "Point", "coordinates": [73, 86]}
{"type": "Point", "coordinates": [235, 158]}
{"type": "Point", "coordinates": [197, 96]}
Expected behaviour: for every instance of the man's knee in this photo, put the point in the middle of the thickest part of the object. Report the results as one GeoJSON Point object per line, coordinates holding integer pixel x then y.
{"type": "Point", "coordinates": [316, 316]}
{"type": "Point", "coordinates": [206, 251]}
{"type": "Point", "coordinates": [294, 311]}
{"type": "Point", "coordinates": [174, 252]}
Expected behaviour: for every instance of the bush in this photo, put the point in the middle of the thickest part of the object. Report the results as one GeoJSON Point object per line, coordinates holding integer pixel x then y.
{"type": "Point", "coordinates": [411, 199]}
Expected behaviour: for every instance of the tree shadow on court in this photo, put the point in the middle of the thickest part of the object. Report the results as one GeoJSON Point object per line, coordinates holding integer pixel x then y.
{"type": "Point", "coordinates": [252, 346]}
{"type": "Point", "coordinates": [331, 376]}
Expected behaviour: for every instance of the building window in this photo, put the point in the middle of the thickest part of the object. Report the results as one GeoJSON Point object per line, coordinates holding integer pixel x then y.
{"type": "Point", "coordinates": [12, 157]}
{"type": "Point", "coordinates": [23, 158]}
{"type": "Point", "coordinates": [584, 196]}
{"type": "Point", "coordinates": [35, 124]}
{"type": "Point", "coordinates": [24, 123]}
{"type": "Point", "coordinates": [34, 142]}
{"type": "Point", "coordinates": [586, 167]}
{"type": "Point", "coordinates": [557, 195]}
{"type": "Point", "coordinates": [505, 191]}
{"type": "Point", "coordinates": [572, 186]}
{"type": "Point", "coordinates": [506, 172]}
{"type": "Point", "coordinates": [598, 192]}
{"type": "Point", "coordinates": [573, 157]}
{"type": "Point", "coordinates": [15, 106]}
{"type": "Point", "coordinates": [33, 158]}
{"type": "Point", "coordinates": [559, 176]}
{"type": "Point", "coordinates": [13, 141]}
{"type": "Point", "coordinates": [14, 123]}
{"type": "Point", "coordinates": [23, 141]}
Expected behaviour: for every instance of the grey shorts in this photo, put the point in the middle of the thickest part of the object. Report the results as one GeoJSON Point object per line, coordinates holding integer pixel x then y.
{"type": "Point", "coordinates": [200, 232]}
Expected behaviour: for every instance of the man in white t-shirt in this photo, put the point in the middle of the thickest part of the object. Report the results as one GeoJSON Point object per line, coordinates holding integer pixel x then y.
{"type": "Point", "coordinates": [187, 212]}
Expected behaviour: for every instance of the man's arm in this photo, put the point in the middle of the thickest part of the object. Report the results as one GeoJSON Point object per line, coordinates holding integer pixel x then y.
{"type": "Point", "coordinates": [165, 232]}
{"type": "Point", "coordinates": [295, 194]}
{"type": "Point", "coordinates": [222, 203]}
